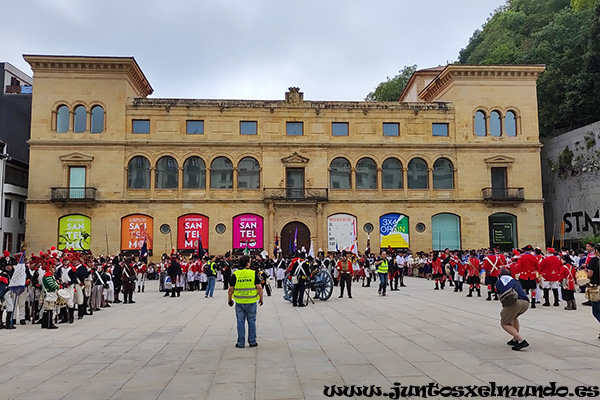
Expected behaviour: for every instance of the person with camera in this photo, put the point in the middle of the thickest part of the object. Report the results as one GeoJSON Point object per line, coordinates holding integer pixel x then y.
{"type": "Point", "coordinates": [245, 289]}
{"type": "Point", "coordinates": [594, 276]}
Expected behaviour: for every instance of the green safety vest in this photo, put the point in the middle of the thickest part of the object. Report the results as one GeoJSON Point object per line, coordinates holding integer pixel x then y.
{"type": "Point", "coordinates": [244, 291]}
{"type": "Point", "coordinates": [383, 267]}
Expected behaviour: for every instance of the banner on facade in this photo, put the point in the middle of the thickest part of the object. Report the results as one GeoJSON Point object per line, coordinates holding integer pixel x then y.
{"type": "Point", "coordinates": [135, 229]}
{"type": "Point", "coordinates": [190, 228]}
{"type": "Point", "coordinates": [341, 232]}
{"type": "Point", "coordinates": [393, 230]}
{"type": "Point", "coordinates": [74, 232]}
{"type": "Point", "coordinates": [248, 229]}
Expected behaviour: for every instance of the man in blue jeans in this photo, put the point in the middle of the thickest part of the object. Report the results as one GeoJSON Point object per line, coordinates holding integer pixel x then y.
{"type": "Point", "coordinates": [210, 269]}
{"type": "Point", "coordinates": [245, 288]}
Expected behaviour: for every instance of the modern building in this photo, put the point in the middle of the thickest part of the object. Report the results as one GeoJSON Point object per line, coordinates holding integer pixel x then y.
{"type": "Point", "coordinates": [454, 163]}
{"type": "Point", "coordinates": [571, 186]}
{"type": "Point", "coordinates": [15, 121]}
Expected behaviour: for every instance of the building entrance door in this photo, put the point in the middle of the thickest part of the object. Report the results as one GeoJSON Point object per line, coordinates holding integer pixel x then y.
{"type": "Point", "coordinates": [294, 183]}
{"type": "Point", "coordinates": [294, 236]}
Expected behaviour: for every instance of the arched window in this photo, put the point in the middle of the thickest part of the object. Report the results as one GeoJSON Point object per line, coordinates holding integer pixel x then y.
{"type": "Point", "coordinates": [80, 119]}
{"type": "Point", "coordinates": [340, 174]}
{"type": "Point", "coordinates": [495, 124]}
{"type": "Point", "coordinates": [480, 128]}
{"type": "Point", "coordinates": [138, 173]}
{"type": "Point", "coordinates": [510, 124]}
{"type": "Point", "coordinates": [97, 119]}
{"type": "Point", "coordinates": [391, 171]}
{"type": "Point", "coordinates": [417, 174]}
{"type": "Point", "coordinates": [445, 232]}
{"type": "Point", "coordinates": [62, 119]}
{"type": "Point", "coordinates": [221, 173]}
{"type": "Point", "coordinates": [443, 174]}
{"type": "Point", "coordinates": [167, 173]}
{"type": "Point", "coordinates": [194, 173]}
{"type": "Point", "coordinates": [248, 174]}
{"type": "Point", "coordinates": [366, 174]}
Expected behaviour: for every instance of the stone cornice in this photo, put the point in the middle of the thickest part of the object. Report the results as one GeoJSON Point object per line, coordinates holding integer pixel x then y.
{"type": "Point", "coordinates": [488, 72]}
{"type": "Point", "coordinates": [126, 65]}
{"type": "Point", "coordinates": [268, 144]}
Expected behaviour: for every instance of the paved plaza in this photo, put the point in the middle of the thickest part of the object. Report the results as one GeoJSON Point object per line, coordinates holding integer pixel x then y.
{"type": "Point", "coordinates": [183, 348]}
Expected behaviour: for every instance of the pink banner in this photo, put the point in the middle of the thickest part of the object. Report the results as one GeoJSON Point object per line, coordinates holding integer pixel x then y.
{"type": "Point", "coordinates": [248, 228]}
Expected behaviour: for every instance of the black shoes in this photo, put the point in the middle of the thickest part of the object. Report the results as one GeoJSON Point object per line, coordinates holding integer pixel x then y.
{"type": "Point", "coordinates": [512, 342]}
{"type": "Point", "coordinates": [239, 346]}
{"type": "Point", "coordinates": [520, 345]}
{"type": "Point", "coordinates": [253, 344]}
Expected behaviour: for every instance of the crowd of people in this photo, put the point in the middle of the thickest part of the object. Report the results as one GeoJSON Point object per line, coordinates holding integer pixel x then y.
{"type": "Point", "coordinates": [60, 283]}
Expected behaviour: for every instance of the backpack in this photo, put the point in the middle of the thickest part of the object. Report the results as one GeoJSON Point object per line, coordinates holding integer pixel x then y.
{"type": "Point", "coordinates": [509, 297]}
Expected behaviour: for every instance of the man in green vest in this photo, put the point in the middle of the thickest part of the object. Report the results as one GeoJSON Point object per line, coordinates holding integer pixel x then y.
{"type": "Point", "coordinates": [382, 270]}
{"type": "Point", "coordinates": [245, 288]}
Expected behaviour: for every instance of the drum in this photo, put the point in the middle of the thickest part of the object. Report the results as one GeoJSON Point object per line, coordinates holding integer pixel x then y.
{"type": "Point", "coordinates": [63, 296]}
{"type": "Point", "coordinates": [582, 277]}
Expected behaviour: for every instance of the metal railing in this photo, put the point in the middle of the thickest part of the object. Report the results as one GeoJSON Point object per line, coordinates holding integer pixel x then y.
{"type": "Point", "coordinates": [76, 194]}
{"type": "Point", "coordinates": [503, 194]}
{"type": "Point", "coordinates": [293, 194]}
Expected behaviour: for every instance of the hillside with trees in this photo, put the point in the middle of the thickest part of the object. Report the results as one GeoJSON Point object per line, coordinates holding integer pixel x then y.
{"type": "Point", "coordinates": [565, 36]}
{"type": "Point", "coordinates": [562, 34]}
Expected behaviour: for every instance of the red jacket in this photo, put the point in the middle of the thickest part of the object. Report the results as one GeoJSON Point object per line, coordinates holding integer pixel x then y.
{"type": "Point", "coordinates": [473, 267]}
{"type": "Point", "coordinates": [550, 268]}
{"type": "Point", "coordinates": [568, 272]}
{"type": "Point", "coordinates": [339, 266]}
{"type": "Point", "coordinates": [493, 264]}
{"type": "Point", "coordinates": [527, 267]}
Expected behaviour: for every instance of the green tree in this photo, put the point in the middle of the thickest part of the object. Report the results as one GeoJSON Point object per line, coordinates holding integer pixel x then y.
{"type": "Point", "coordinates": [562, 34]}
{"type": "Point", "coordinates": [391, 89]}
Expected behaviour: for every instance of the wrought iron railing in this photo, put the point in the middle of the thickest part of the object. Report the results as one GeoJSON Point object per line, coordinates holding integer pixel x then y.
{"type": "Point", "coordinates": [503, 194]}
{"type": "Point", "coordinates": [76, 194]}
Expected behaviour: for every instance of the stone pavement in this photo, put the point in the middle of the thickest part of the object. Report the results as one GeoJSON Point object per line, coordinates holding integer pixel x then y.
{"type": "Point", "coordinates": [178, 348]}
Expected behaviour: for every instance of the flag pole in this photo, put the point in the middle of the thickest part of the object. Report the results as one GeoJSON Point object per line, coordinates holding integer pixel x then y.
{"type": "Point", "coordinates": [106, 232]}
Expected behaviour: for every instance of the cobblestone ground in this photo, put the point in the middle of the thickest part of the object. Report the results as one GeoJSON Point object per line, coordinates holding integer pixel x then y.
{"type": "Point", "coordinates": [178, 348]}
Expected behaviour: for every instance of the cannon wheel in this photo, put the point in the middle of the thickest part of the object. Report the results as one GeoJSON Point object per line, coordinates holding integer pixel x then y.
{"type": "Point", "coordinates": [324, 289]}
{"type": "Point", "coordinates": [288, 286]}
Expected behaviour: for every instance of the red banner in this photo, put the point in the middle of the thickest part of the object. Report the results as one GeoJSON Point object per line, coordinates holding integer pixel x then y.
{"type": "Point", "coordinates": [190, 228]}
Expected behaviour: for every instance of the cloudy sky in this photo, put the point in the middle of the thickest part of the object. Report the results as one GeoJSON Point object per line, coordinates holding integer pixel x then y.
{"type": "Point", "coordinates": [252, 49]}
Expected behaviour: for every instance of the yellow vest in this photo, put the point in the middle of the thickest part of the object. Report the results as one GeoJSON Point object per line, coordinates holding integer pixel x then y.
{"type": "Point", "coordinates": [383, 267]}
{"type": "Point", "coordinates": [244, 291]}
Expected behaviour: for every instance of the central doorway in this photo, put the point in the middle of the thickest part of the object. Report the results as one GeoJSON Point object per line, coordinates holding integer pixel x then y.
{"type": "Point", "coordinates": [295, 234]}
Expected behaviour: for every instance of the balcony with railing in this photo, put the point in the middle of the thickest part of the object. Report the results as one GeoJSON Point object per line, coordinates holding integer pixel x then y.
{"type": "Point", "coordinates": [297, 195]}
{"type": "Point", "coordinates": [503, 194]}
{"type": "Point", "coordinates": [73, 194]}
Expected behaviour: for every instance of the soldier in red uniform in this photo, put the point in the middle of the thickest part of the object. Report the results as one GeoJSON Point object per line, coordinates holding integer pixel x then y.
{"type": "Point", "coordinates": [473, 269]}
{"type": "Point", "coordinates": [437, 273]}
{"type": "Point", "coordinates": [550, 268]}
{"type": "Point", "coordinates": [492, 264]}
{"type": "Point", "coordinates": [527, 272]}
{"type": "Point", "coordinates": [567, 277]}
{"type": "Point", "coordinates": [459, 271]}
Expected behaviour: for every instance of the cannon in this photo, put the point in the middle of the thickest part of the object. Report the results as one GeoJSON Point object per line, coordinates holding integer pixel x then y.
{"type": "Point", "coordinates": [320, 282]}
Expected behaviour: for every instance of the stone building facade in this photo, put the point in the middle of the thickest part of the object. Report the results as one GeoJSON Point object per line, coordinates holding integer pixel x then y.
{"type": "Point", "coordinates": [454, 163]}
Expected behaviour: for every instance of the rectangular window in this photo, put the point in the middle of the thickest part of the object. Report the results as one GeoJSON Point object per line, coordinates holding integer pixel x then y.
{"type": "Point", "coordinates": [8, 242]}
{"type": "Point", "coordinates": [21, 210]}
{"type": "Point", "coordinates": [439, 129]}
{"type": "Point", "coordinates": [391, 129]}
{"type": "Point", "coordinates": [8, 208]}
{"type": "Point", "coordinates": [195, 128]}
{"type": "Point", "coordinates": [248, 128]}
{"type": "Point", "coordinates": [339, 128]}
{"type": "Point", "coordinates": [140, 126]}
{"type": "Point", "coordinates": [294, 128]}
